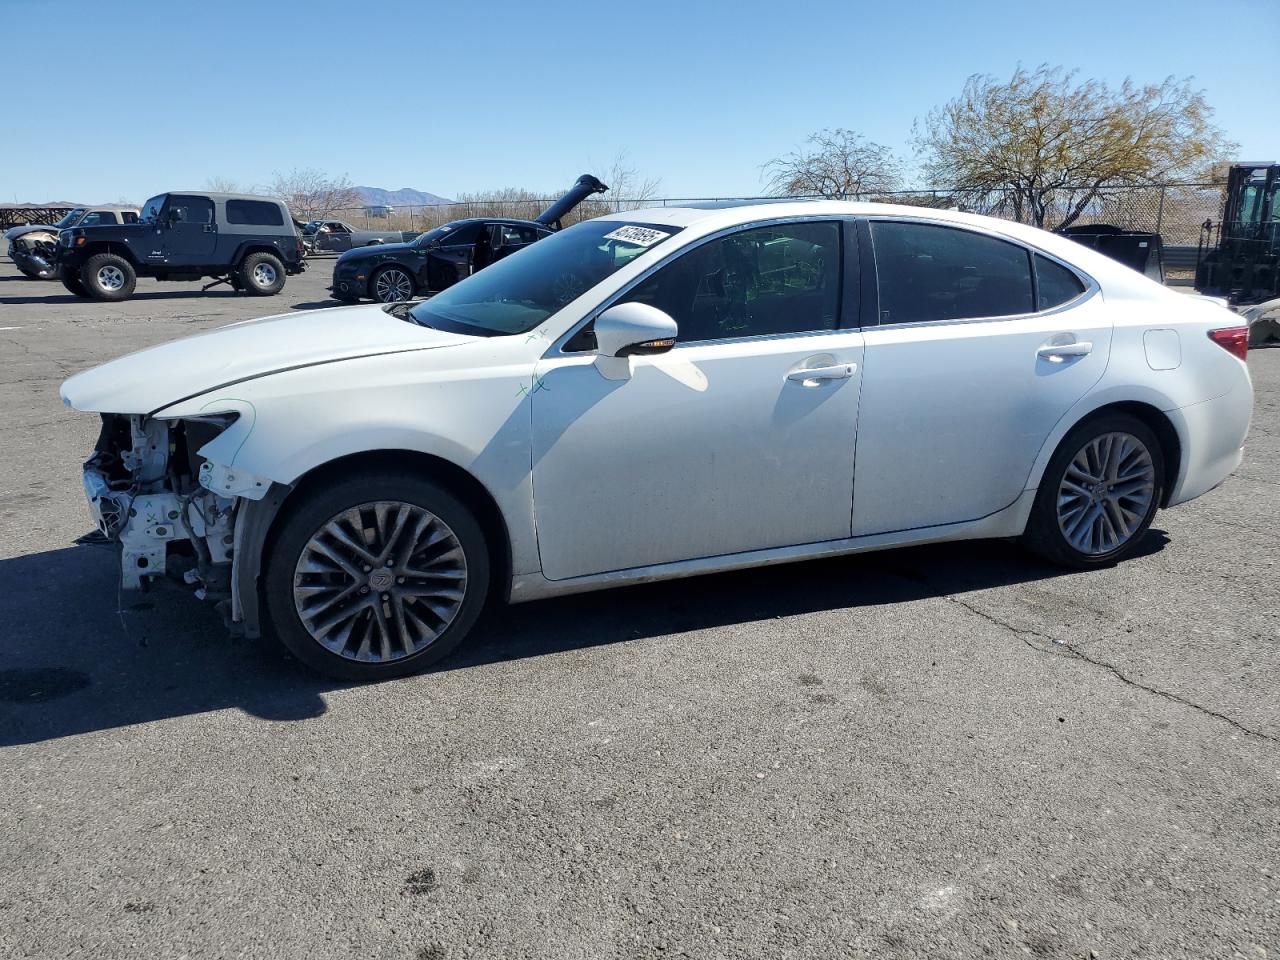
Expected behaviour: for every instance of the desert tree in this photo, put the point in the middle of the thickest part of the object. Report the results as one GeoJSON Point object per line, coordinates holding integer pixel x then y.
{"type": "Point", "coordinates": [221, 184]}
{"type": "Point", "coordinates": [312, 194]}
{"type": "Point", "coordinates": [837, 164]}
{"type": "Point", "coordinates": [1045, 145]}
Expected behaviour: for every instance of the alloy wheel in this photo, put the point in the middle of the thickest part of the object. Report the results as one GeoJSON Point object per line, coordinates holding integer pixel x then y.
{"type": "Point", "coordinates": [264, 274]}
{"type": "Point", "coordinates": [380, 581]}
{"type": "Point", "coordinates": [110, 278]}
{"type": "Point", "coordinates": [1106, 493]}
{"type": "Point", "coordinates": [393, 285]}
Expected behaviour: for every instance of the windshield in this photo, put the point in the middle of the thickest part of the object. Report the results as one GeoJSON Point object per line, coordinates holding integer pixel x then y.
{"type": "Point", "coordinates": [151, 209]}
{"type": "Point", "coordinates": [518, 292]}
{"type": "Point", "coordinates": [70, 218]}
{"type": "Point", "coordinates": [436, 235]}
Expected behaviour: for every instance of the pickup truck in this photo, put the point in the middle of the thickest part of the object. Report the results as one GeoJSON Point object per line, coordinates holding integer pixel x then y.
{"type": "Point", "coordinates": [34, 247]}
{"type": "Point", "coordinates": [338, 235]}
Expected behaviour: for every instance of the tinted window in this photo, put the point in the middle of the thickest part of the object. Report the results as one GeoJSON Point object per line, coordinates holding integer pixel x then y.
{"type": "Point", "coordinates": [129, 217]}
{"type": "Point", "coordinates": [257, 213]}
{"type": "Point", "coordinates": [1055, 284]}
{"type": "Point", "coordinates": [467, 233]}
{"type": "Point", "coordinates": [98, 217]}
{"type": "Point", "coordinates": [514, 236]}
{"type": "Point", "coordinates": [928, 273]}
{"type": "Point", "coordinates": [783, 279]}
{"type": "Point", "coordinates": [194, 209]}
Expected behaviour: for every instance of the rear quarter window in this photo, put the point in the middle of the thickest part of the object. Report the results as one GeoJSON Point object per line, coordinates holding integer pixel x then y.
{"type": "Point", "coordinates": [1055, 284]}
{"type": "Point", "coordinates": [255, 213]}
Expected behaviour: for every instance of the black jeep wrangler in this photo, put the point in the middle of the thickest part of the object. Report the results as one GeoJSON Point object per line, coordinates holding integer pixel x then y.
{"type": "Point", "coordinates": [249, 242]}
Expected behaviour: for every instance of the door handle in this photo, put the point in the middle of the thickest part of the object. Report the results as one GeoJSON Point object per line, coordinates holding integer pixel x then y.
{"type": "Point", "coordinates": [1057, 353]}
{"type": "Point", "coordinates": [815, 375]}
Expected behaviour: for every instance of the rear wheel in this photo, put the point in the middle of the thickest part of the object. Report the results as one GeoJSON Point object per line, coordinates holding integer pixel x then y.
{"type": "Point", "coordinates": [392, 284]}
{"type": "Point", "coordinates": [106, 276]}
{"type": "Point", "coordinates": [376, 576]}
{"type": "Point", "coordinates": [261, 274]}
{"type": "Point", "coordinates": [1099, 493]}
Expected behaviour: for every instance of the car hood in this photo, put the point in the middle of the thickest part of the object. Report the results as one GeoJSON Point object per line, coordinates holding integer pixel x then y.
{"type": "Point", "coordinates": [149, 380]}
{"type": "Point", "coordinates": [14, 232]}
{"type": "Point", "coordinates": [373, 251]}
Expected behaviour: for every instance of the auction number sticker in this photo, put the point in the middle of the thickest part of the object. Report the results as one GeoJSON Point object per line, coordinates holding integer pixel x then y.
{"type": "Point", "coordinates": [640, 236]}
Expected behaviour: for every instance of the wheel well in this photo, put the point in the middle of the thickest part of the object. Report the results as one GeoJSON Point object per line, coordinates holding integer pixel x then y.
{"type": "Point", "coordinates": [258, 248]}
{"type": "Point", "coordinates": [118, 249]}
{"type": "Point", "coordinates": [1160, 425]}
{"type": "Point", "coordinates": [456, 480]}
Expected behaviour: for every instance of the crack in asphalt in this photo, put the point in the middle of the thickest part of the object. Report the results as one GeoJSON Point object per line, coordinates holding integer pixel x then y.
{"type": "Point", "coordinates": [1024, 635]}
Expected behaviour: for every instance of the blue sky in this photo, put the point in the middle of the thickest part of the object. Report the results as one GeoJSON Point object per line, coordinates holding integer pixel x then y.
{"type": "Point", "coordinates": [466, 96]}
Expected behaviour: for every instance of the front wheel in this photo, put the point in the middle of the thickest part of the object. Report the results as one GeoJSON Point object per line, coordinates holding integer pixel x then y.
{"type": "Point", "coordinates": [261, 274]}
{"type": "Point", "coordinates": [106, 276]}
{"type": "Point", "coordinates": [70, 278]}
{"type": "Point", "coordinates": [1099, 493]}
{"type": "Point", "coordinates": [376, 576]}
{"type": "Point", "coordinates": [392, 284]}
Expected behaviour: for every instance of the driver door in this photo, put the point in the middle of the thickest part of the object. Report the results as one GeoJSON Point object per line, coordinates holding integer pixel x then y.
{"type": "Point", "coordinates": [740, 438]}
{"type": "Point", "coordinates": [189, 231]}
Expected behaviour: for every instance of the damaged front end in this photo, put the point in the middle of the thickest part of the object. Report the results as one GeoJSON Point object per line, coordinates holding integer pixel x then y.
{"type": "Point", "coordinates": [173, 511]}
{"type": "Point", "coordinates": [35, 253]}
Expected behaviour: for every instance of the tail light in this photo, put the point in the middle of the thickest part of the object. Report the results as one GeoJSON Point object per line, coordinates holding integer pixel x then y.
{"type": "Point", "coordinates": [1234, 340]}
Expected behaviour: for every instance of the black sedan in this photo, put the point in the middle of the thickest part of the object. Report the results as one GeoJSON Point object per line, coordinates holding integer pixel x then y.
{"type": "Point", "coordinates": [441, 257]}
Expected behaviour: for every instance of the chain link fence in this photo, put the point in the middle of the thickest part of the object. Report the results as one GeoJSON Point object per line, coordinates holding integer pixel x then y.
{"type": "Point", "coordinates": [1176, 211]}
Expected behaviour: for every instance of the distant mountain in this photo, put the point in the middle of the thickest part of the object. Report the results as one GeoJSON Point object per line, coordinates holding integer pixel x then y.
{"type": "Point", "coordinates": [404, 197]}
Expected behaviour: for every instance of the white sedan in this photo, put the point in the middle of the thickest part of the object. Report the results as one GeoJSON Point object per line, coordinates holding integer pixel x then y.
{"type": "Point", "coordinates": [656, 394]}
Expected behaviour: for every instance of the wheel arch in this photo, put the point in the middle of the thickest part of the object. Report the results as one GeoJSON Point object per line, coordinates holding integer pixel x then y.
{"type": "Point", "coordinates": [120, 250]}
{"type": "Point", "coordinates": [257, 246]}
{"type": "Point", "coordinates": [1149, 412]}
{"type": "Point", "coordinates": [265, 517]}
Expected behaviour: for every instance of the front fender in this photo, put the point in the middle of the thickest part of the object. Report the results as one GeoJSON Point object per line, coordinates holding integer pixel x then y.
{"type": "Point", "coordinates": [296, 421]}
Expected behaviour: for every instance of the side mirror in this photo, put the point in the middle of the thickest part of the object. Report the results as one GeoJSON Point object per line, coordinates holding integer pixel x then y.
{"type": "Point", "coordinates": [630, 329]}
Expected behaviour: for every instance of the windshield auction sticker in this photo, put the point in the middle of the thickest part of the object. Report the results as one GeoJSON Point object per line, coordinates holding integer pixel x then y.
{"type": "Point", "coordinates": [640, 236]}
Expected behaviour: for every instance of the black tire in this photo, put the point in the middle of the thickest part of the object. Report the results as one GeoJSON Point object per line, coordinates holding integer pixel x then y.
{"type": "Point", "coordinates": [28, 272]}
{"type": "Point", "coordinates": [261, 274]}
{"type": "Point", "coordinates": [310, 516]}
{"type": "Point", "coordinates": [70, 278]}
{"type": "Point", "coordinates": [392, 284]}
{"type": "Point", "coordinates": [106, 276]}
{"type": "Point", "coordinates": [1045, 535]}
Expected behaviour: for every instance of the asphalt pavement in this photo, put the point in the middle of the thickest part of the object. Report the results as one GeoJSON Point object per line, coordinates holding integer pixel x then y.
{"type": "Point", "coordinates": [949, 751]}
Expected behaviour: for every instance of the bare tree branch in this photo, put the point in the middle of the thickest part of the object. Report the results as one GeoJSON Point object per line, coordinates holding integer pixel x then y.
{"type": "Point", "coordinates": [838, 164]}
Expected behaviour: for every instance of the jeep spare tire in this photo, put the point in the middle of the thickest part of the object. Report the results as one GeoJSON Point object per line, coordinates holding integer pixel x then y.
{"type": "Point", "coordinates": [106, 276]}
{"type": "Point", "coordinates": [261, 274]}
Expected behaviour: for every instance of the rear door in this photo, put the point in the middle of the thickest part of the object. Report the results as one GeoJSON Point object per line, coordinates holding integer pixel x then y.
{"type": "Point", "coordinates": [976, 349]}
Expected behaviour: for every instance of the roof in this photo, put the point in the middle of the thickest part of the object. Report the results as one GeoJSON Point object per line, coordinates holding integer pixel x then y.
{"type": "Point", "coordinates": [225, 196]}
{"type": "Point", "coordinates": [702, 219]}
